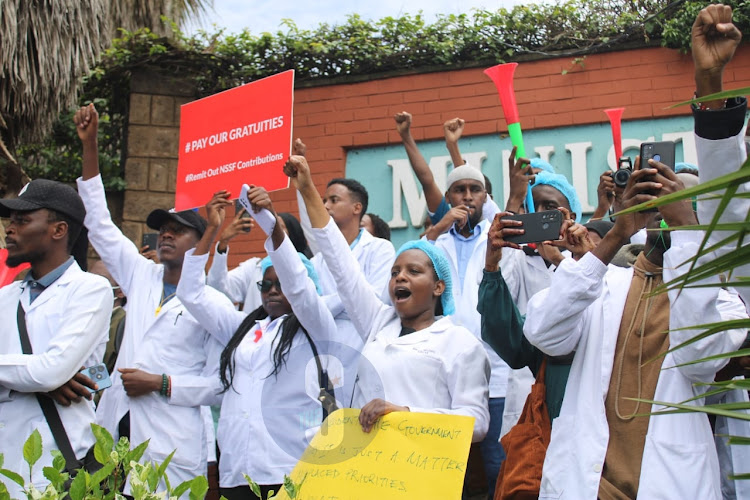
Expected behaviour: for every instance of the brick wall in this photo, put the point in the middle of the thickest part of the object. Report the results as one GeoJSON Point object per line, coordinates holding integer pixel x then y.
{"type": "Point", "coordinates": [333, 118]}
{"type": "Point", "coordinates": [152, 146]}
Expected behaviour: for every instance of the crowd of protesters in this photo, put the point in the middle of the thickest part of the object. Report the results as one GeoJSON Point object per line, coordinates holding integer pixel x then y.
{"type": "Point", "coordinates": [241, 366]}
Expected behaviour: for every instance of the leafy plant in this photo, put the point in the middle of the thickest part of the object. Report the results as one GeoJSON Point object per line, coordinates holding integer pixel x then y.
{"type": "Point", "coordinates": [118, 463]}
{"type": "Point", "coordinates": [723, 254]}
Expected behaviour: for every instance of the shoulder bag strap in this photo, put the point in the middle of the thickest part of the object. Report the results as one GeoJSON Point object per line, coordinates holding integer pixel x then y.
{"type": "Point", "coordinates": [327, 396]}
{"type": "Point", "coordinates": [48, 406]}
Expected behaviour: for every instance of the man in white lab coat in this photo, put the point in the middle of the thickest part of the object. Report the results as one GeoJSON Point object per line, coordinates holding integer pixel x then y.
{"type": "Point", "coordinates": [66, 313]}
{"type": "Point", "coordinates": [601, 445]}
{"type": "Point", "coordinates": [168, 364]}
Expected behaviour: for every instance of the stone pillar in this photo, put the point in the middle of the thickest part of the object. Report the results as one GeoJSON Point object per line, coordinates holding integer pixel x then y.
{"type": "Point", "coordinates": [152, 145]}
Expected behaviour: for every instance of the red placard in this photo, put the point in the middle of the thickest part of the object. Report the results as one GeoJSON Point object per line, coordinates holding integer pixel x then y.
{"type": "Point", "coordinates": [239, 136]}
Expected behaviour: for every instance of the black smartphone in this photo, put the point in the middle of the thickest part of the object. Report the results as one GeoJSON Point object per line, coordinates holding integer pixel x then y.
{"type": "Point", "coordinates": [237, 207]}
{"type": "Point", "coordinates": [660, 151]}
{"type": "Point", "coordinates": [99, 374]}
{"type": "Point", "coordinates": [539, 226]}
{"type": "Point", "coordinates": [149, 240]}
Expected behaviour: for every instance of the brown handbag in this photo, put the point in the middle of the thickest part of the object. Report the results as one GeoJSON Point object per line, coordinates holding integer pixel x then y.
{"type": "Point", "coordinates": [525, 446]}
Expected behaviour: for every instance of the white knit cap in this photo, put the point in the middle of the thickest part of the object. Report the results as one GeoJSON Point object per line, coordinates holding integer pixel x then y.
{"type": "Point", "coordinates": [465, 171]}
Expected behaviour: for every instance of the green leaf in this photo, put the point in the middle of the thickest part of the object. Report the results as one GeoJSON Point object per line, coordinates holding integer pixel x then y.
{"type": "Point", "coordinates": [32, 448]}
{"type": "Point", "coordinates": [136, 453]}
{"type": "Point", "coordinates": [719, 410]}
{"type": "Point", "coordinates": [181, 488]}
{"type": "Point", "coordinates": [739, 440]}
{"type": "Point", "coordinates": [53, 475]}
{"type": "Point", "coordinates": [2, 460]}
{"type": "Point", "coordinates": [198, 488]}
{"type": "Point", "coordinates": [78, 486]}
{"type": "Point", "coordinates": [4, 495]}
{"type": "Point", "coordinates": [253, 486]}
{"type": "Point", "coordinates": [727, 94]}
{"type": "Point", "coordinates": [58, 461]}
{"type": "Point", "coordinates": [13, 476]}
{"type": "Point", "coordinates": [104, 443]}
{"type": "Point", "coordinates": [103, 473]}
{"type": "Point", "coordinates": [161, 469]}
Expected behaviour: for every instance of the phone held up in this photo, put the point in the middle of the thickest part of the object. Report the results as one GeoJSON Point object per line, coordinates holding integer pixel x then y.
{"type": "Point", "coordinates": [149, 240]}
{"type": "Point", "coordinates": [538, 226]}
{"type": "Point", "coordinates": [98, 373]}
{"type": "Point", "coordinates": [663, 152]}
{"type": "Point", "coordinates": [245, 215]}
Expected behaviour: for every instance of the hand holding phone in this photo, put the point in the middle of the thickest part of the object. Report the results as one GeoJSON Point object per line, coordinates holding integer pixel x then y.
{"type": "Point", "coordinates": [149, 240]}
{"type": "Point", "coordinates": [538, 226]}
{"type": "Point", "coordinates": [663, 152]}
{"type": "Point", "coordinates": [99, 374]}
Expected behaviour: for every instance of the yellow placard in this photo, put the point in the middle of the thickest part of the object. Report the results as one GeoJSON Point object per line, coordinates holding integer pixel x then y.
{"type": "Point", "coordinates": [405, 456]}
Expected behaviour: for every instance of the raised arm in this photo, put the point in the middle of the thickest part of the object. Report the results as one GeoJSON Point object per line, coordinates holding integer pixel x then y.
{"type": "Point", "coordinates": [212, 309]}
{"type": "Point", "coordinates": [360, 300]}
{"type": "Point", "coordinates": [432, 193]}
{"type": "Point", "coordinates": [454, 129]}
{"type": "Point", "coordinates": [298, 288]}
{"type": "Point", "coordinates": [502, 324]}
{"type": "Point", "coordinates": [118, 253]}
{"type": "Point", "coordinates": [235, 283]}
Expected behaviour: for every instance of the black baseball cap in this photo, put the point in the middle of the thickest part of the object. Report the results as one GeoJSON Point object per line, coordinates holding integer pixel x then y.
{"type": "Point", "coordinates": [159, 217]}
{"type": "Point", "coordinates": [44, 193]}
{"type": "Point", "coordinates": [600, 227]}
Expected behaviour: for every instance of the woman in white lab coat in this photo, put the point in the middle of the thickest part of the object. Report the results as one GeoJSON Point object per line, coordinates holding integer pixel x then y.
{"type": "Point", "coordinates": [413, 359]}
{"type": "Point", "coordinates": [263, 366]}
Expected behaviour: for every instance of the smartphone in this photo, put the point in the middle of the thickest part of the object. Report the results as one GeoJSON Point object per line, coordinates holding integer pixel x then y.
{"type": "Point", "coordinates": [149, 240]}
{"type": "Point", "coordinates": [245, 215]}
{"type": "Point", "coordinates": [99, 374]}
{"type": "Point", "coordinates": [660, 151]}
{"type": "Point", "coordinates": [539, 226]}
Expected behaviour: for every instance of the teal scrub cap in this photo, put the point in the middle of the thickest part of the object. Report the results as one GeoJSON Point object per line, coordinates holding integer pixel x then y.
{"type": "Point", "coordinates": [560, 182]}
{"type": "Point", "coordinates": [311, 273]}
{"type": "Point", "coordinates": [442, 269]}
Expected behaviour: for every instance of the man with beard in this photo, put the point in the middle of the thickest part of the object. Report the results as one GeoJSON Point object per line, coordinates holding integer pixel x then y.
{"type": "Point", "coordinates": [625, 337]}
{"type": "Point", "coordinates": [465, 244]}
{"type": "Point", "coordinates": [65, 314]}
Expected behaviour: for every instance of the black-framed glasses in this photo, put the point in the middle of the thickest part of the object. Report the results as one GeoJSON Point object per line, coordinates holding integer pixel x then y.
{"type": "Point", "coordinates": [265, 285]}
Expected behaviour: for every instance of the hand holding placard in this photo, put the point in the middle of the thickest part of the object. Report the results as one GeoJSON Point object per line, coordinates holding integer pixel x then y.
{"type": "Point", "coordinates": [405, 456]}
{"type": "Point", "coordinates": [265, 219]}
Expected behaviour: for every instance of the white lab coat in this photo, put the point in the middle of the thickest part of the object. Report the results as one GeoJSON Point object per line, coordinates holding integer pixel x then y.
{"type": "Point", "coordinates": [525, 276]}
{"type": "Point", "coordinates": [68, 325]}
{"type": "Point", "coordinates": [172, 342]}
{"type": "Point", "coordinates": [466, 299]}
{"type": "Point", "coordinates": [263, 417]}
{"type": "Point", "coordinates": [715, 159]}
{"type": "Point", "coordinates": [375, 257]}
{"type": "Point", "coordinates": [582, 311]}
{"type": "Point", "coordinates": [441, 369]}
{"type": "Point", "coordinates": [239, 284]}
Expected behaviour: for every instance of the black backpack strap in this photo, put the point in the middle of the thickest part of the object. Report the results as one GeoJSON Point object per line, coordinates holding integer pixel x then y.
{"type": "Point", "coordinates": [327, 395]}
{"type": "Point", "coordinates": [48, 406]}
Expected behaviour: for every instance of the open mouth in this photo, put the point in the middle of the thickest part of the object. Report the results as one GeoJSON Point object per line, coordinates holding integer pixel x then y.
{"type": "Point", "coordinates": [401, 294]}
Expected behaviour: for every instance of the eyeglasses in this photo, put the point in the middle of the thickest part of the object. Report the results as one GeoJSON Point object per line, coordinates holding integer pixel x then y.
{"type": "Point", "coordinates": [266, 285]}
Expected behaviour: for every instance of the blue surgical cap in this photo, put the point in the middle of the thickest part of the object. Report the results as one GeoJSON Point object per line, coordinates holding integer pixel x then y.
{"type": "Point", "coordinates": [311, 273]}
{"type": "Point", "coordinates": [442, 269]}
{"type": "Point", "coordinates": [680, 166]}
{"type": "Point", "coordinates": [560, 182]}
{"type": "Point", "coordinates": [539, 163]}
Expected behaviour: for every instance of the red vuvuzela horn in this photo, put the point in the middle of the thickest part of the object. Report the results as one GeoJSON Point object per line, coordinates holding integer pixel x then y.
{"type": "Point", "coordinates": [615, 118]}
{"type": "Point", "coordinates": [502, 76]}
